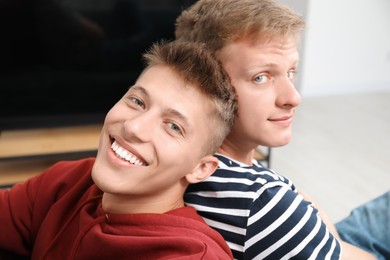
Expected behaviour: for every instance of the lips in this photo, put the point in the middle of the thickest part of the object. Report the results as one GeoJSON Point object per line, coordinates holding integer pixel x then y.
{"type": "Point", "coordinates": [126, 155]}
{"type": "Point", "coordinates": [285, 118]}
{"type": "Point", "coordinates": [284, 121]}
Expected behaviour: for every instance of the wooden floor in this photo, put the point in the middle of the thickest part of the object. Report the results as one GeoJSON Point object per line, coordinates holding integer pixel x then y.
{"type": "Point", "coordinates": [340, 152]}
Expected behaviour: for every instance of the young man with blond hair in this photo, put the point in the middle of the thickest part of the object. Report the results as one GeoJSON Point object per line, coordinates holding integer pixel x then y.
{"type": "Point", "coordinates": [260, 213]}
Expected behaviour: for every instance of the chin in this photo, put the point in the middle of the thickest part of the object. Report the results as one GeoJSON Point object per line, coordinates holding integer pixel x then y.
{"type": "Point", "coordinates": [95, 175]}
{"type": "Point", "coordinates": [278, 142]}
{"type": "Point", "coordinates": [100, 174]}
{"type": "Point", "coordinates": [283, 143]}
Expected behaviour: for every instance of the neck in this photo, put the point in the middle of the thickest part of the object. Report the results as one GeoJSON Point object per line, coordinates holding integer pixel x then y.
{"type": "Point", "coordinates": [122, 204]}
{"type": "Point", "coordinates": [236, 152]}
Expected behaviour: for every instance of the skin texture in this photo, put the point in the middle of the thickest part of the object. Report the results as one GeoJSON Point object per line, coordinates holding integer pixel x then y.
{"type": "Point", "coordinates": [263, 75]}
{"type": "Point", "coordinates": [165, 131]}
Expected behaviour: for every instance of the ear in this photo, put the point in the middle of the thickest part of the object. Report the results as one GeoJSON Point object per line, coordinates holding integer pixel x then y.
{"type": "Point", "coordinates": [203, 169]}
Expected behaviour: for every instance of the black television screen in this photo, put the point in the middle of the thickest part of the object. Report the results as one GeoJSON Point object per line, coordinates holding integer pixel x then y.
{"type": "Point", "coordinates": [66, 62]}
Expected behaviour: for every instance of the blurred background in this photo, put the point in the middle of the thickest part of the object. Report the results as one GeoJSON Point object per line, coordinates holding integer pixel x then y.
{"type": "Point", "coordinates": [68, 61]}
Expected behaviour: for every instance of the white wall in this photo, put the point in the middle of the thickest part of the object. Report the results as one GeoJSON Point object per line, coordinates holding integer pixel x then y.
{"type": "Point", "coordinates": [346, 47]}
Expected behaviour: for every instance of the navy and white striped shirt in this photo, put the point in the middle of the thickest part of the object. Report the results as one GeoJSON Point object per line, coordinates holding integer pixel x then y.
{"type": "Point", "coordinates": [260, 214]}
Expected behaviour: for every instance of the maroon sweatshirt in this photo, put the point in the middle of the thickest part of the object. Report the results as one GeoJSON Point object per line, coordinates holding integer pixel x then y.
{"type": "Point", "coordinates": [58, 215]}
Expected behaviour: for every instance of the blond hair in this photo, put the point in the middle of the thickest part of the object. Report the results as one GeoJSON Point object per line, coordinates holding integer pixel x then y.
{"type": "Point", "coordinates": [219, 22]}
{"type": "Point", "coordinates": [198, 66]}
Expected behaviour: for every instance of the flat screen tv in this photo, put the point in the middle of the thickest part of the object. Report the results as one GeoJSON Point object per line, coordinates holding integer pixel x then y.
{"type": "Point", "coordinates": [66, 62]}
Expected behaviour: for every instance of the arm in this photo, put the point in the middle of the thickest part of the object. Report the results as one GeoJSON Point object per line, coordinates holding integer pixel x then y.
{"type": "Point", "coordinates": [15, 220]}
{"type": "Point", "coordinates": [282, 224]}
{"type": "Point", "coordinates": [24, 207]}
{"type": "Point", "coordinates": [349, 251]}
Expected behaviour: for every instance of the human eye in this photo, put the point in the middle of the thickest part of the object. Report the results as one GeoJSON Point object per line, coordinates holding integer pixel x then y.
{"type": "Point", "coordinates": [291, 75]}
{"type": "Point", "coordinates": [137, 102]}
{"type": "Point", "coordinates": [261, 78]}
{"type": "Point", "coordinates": [175, 128]}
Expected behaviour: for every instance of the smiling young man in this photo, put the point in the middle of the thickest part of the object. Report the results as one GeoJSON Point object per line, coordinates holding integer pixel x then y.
{"type": "Point", "coordinates": [260, 213]}
{"type": "Point", "coordinates": [128, 202]}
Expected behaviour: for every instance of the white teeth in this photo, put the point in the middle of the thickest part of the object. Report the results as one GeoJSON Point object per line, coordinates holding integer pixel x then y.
{"type": "Point", "coordinates": [126, 155]}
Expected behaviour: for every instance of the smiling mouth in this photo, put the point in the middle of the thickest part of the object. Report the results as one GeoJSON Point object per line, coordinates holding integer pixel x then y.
{"type": "Point", "coordinates": [124, 154]}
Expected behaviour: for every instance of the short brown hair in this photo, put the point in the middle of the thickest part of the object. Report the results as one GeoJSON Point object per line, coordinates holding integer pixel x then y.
{"type": "Point", "coordinates": [199, 67]}
{"type": "Point", "coordinates": [219, 22]}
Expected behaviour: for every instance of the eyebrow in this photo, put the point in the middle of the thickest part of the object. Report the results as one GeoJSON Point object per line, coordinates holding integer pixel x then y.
{"type": "Point", "coordinates": [139, 88]}
{"type": "Point", "coordinates": [271, 64]}
{"type": "Point", "coordinates": [180, 116]}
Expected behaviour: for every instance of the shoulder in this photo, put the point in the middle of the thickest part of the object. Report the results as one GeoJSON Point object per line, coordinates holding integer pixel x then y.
{"type": "Point", "coordinates": [65, 173]}
{"type": "Point", "coordinates": [233, 175]}
{"type": "Point", "coordinates": [71, 166]}
{"type": "Point", "coordinates": [184, 231]}
{"type": "Point", "coordinates": [67, 169]}
{"type": "Point", "coordinates": [64, 183]}
{"type": "Point", "coordinates": [59, 179]}
{"type": "Point", "coordinates": [236, 185]}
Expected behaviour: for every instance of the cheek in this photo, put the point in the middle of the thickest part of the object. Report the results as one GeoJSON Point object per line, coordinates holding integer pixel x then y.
{"type": "Point", "coordinates": [114, 113]}
{"type": "Point", "coordinates": [180, 154]}
{"type": "Point", "coordinates": [253, 113]}
{"type": "Point", "coordinates": [248, 104]}
{"type": "Point", "coordinates": [117, 115]}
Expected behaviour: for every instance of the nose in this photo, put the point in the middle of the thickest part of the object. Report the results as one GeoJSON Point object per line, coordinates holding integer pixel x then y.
{"type": "Point", "coordinates": [288, 95]}
{"type": "Point", "coordinates": [139, 128]}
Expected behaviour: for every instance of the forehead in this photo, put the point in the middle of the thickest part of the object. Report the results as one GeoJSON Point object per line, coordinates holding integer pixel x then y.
{"type": "Point", "coordinates": [165, 88]}
{"type": "Point", "coordinates": [161, 78]}
{"type": "Point", "coordinates": [247, 51]}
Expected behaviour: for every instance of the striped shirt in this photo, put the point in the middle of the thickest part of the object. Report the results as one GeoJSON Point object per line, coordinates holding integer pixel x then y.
{"type": "Point", "coordinates": [260, 214]}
